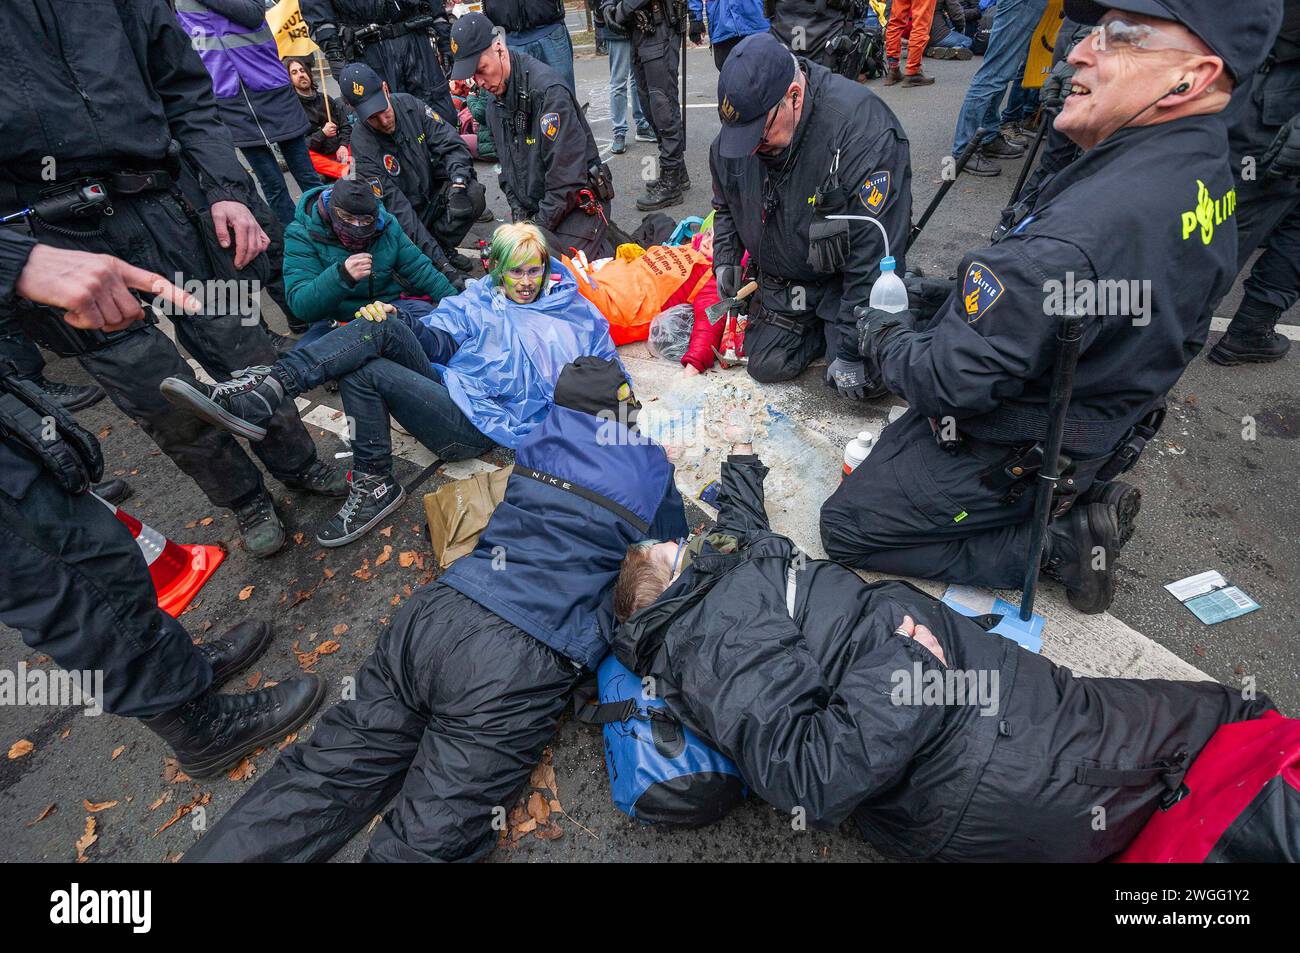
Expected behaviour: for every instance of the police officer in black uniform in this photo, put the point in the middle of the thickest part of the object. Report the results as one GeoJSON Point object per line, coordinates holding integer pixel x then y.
{"type": "Point", "coordinates": [73, 580]}
{"type": "Point", "coordinates": [655, 28]}
{"type": "Point", "coordinates": [1265, 139]}
{"type": "Point", "coordinates": [418, 165]}
{"type": "Point", "coordinates": [1144, 219]}
{"type": "Point", "coordinates": [811, 27]}
{"type": "Point", "coordinates": [115, 114]}
{"type": "Point", "coordinates": [551, 171]}
{"type": "Point", "coordinates": [799, 144]}
{"type": "Point", "coordinates": [405, 41]}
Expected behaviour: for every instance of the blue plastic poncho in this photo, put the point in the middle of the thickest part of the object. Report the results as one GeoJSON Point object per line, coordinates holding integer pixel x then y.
{"type": "Point", "coordinates": [503, 375]}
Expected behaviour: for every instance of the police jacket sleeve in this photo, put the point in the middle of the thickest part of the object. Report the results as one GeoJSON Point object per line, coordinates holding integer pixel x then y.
{"type": "Point", "coordinates": [370, 169]}
{"type": "Point", "coordinates": [996, 332]}
{"type": "Point", "coordinates": [446, 146]}
{"type": "Point", "coordinates": [496, 120]}
{"type": "Point", "coordinates": [800, 740]}
{"type": "Point", "coordinates": [322, 19]}
{"type": "Point", "coordinates": [880, 172]}
{"type": "Point", "coordinates": [185, 89]}
{"type": "Point", "coordinates": [740, 501]}
{"type": "Point", "coordinates": [564, 154]}
{"type": "Point", "coordinates": [415, 267]}
{"type": "Point", "coordinates": [341, 112]}
{"type": "Point", "coordinates": [247, 13]}
{"type": "Point", "coordinates": [727, 247]}
{"type": "Point", "coordinates": [14, 249]}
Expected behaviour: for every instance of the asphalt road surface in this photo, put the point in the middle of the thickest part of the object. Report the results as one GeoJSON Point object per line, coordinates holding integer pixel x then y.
{"type": "Point", "coordinates": [1213, 500]}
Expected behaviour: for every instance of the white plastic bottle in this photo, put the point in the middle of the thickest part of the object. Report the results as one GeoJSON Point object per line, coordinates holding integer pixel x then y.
{"type": "Point", "coordinates": [857, 450]}
{"type": "Point", "coordinates": [888, 293]}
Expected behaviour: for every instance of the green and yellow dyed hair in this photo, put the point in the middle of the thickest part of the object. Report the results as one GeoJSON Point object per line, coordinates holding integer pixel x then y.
{"type": "Point", "coordinates": [512, 245]}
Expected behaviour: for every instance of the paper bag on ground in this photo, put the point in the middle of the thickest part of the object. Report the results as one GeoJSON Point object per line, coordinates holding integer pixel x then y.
{"type": "Point", "coordinates": [459, 511]}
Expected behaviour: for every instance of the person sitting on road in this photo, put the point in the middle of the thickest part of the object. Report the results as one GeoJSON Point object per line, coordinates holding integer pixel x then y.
{"type": "Point", "coordinates": [464, 689]}
{"type": "Point", "coordinates": [477, 370]}
{"type": "Point", "coordinates": [875, 702]}
{"type": "Point", "coordinates": [331, 132]}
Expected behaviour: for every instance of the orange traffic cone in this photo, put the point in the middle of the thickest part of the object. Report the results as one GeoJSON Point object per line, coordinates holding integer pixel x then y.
{"type": "Point", "coordinates": [178, 570]}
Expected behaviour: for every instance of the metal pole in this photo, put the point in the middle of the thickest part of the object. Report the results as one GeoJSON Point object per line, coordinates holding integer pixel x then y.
{"type": "Point", "coordinates": [1068, 333]}
{"type": "Point", "coordinates": [1048, 116]}
{"type": "Point", "coordinates": [685, 29]}
{"type": "Point", "coordinates": [962, 159]}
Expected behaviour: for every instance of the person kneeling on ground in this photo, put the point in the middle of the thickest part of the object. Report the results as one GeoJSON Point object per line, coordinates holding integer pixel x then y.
{"type": "Point", "coordinates": [464, 690]}
{"type": "Point", "coordinates": [876, 702]}
{"type": "Point", "coordinates": [478, 370]}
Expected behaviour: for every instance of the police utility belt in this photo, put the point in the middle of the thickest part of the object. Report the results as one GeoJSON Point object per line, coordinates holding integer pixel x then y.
{"type": "Point", "coordinates": [53, 436]}
{"type": "Point", "coordinates": [356, 36]}
{"type": "Point", "coordinates": [1012, 469]}
{"type": "Point", "coordinates": [72, 208]}
{"type": "Point", "coordinates": [657, 12]}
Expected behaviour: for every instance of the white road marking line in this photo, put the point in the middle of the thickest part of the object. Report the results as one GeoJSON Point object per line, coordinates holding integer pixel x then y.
{"type": "Point", "coordinates": [1286, 330]}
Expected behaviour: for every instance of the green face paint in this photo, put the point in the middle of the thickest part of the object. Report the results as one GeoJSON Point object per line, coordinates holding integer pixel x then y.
{"type": "Point", "coordinates": [524, 281]}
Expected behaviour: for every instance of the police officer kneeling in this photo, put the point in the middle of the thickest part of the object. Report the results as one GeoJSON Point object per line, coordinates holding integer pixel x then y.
{"type": "Point", "coordinates": [551, 171]}
{"type": "Point", "coordinates": [798, 144]}
{"type": "Point", "coordinates": [1148, 210]}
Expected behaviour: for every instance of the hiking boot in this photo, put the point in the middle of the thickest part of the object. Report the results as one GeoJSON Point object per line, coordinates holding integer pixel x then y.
{"type": "Point", "coordinates": [70, 396]}
{"type": "Point", "coordinates": [619, 145]}
{"type": "Point", "coordinates": [487, 215]}
{"type": "Point", "coordinates": [460, 262]}
{"type": "Point", "coordinates": [646, 134]}
{"type": "Point", "coordinates": [1250, 338]}
{"type": "Point", "coordinates": [1013, 134]}
{"type": "Point", "coordinates": [1125, 497]}
{"type": "Point", "coordinates": [370, 498]}
{"type": "Point", "coordinates": [978, 164]}
{"type": "Point", "coordinates": [999, 148]}
{"type": "Point", "coordinates": [947, 52]}
{"type": "Point", "coordinates": [917, 79]}
{"type": "Point", "coordinates": [661, 193]}
{"type": "Point", "coordinates": [321, 477]}
{"type": "Point", "coordinates": [243, 405]}
{"type": "Point", "coordinates": [237, 648]}
{"type": "Point", "coordinates": [211, 733]}
{"type": "Point", "coordinates": [892, 74]}
{"type": "Point", "coordinates": [1081, 549]}
{"type": "Point", "coordinates": [112, 491]}
{"type": "Point", "coordinates": [260, 526]}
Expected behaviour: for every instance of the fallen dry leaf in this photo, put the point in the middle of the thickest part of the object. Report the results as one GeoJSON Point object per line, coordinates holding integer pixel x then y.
{"type": "Point", "coordinates": [539, 809]}
{"type": "Point", "coordinates": [206, 521]}
{"type": "Point", "coordinates": [383, 557]}
{"type": "Point", "coordinates": [49, 809]}
{"type": "Point", "coordinates": [298, 538]}
{"type": "Point", "coordinates": [166, 796]}
{"type": "Point", "coordinates": [87, 838]}
{"type": "Point", "coordinates": [117, 753]}
{"type": "Point", "coordinates": [172, 772]}
{"type": "Point", "coordinates": [253, 679]}
{"type": "Point", "coordinates": [93, 807]}
{"type": "Point", "coordinates": [374, 822]}
{"type": "Point", "coordinates": [364, 572]}
{"type": "Point", "coordinates": [549, 832]}
{"type": "Point", "coordinates": [184, 809]}
{"type": "Point", "coordinates": [288, 740]}
{"type": "Point", "coordinates": [20, 749]}
{"type": "Point", "coordinates": [340, 628]}
{"type": "Point", "coordinates": [386, 532]}
{"type": "Point", "coordinates": [407, 558]}
{"type": "Point", "coordinates": [63, 735]}
{"type": "Point", "coordinates": [329, 573]}
{"type": "Point", "coordinates": [395, 600]}
{"type": "Point", "coordinates": [246, 592]}
{"type": "Point", "coordinates": [242, 771]}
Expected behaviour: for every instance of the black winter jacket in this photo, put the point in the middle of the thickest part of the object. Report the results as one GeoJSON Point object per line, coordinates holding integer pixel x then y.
{"type": "Point", "coordinates": [792, 668]}
{"type": "Point", "coordinates": [514, 16]}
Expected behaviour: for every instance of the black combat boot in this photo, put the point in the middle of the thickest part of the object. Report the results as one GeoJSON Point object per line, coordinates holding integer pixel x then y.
{"type": "Point", "coordinates": [236, 649]}
{"type": "Point", "coordinates": [1250, 338]}
{"type": "Point", "coordinates": [70, 396]}
{"type": "Point", "coordinates": [260, 526]}
{"type": "Point", "coordinates": [211, 733]}
{"type": "Point", "coordinates": [663, 192]}
{"type": "Point", "coordinates": [1081, 549]}
{"type": "Point", "coordinates": [1125, 497]}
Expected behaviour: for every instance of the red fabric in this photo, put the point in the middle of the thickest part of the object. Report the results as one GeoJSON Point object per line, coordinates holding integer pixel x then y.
{"type": "Point", "coordinates": [328, 165]}
{"type": "Point", "coordinates": [1230, 771]}
{"type": "Point", "coordinates": [704, 336]}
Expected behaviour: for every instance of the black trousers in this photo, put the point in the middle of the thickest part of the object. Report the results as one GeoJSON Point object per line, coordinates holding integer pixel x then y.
{"type": "Point", "coordinates": [74, 584]}
{"type": "Point", "coordinates": [655, 57]}
{"type": "Point", "coordinates": [451, 714]}
{"type": "Point", "coordinates": [19, 350]}
{"type": "Point", "coordinates": [408, 64]}
{"type": "Point", "coordinates": [447, 228]}
{"type": "Point", "coordinates": [152, 231]}
{"type": "Point", "coordinates": [914, 509]}
{"type": "Point", "coordinates": [1268, 215]}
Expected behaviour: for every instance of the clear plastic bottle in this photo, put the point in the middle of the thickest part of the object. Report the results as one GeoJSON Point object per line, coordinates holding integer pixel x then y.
{"type": "Point", "coordinates": [888, 293]}
{"type": "Point", "coordinates": [857, 450]}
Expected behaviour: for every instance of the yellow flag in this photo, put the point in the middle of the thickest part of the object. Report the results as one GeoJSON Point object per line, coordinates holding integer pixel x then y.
{"type": "Point", "coordinates": [290, 29]}
{"type": "Point", "coordinates": [1040, 47]}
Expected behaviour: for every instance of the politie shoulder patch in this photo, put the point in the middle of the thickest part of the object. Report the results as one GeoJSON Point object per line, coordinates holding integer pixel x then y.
{"type": "Point", "coordinates": [551, 125]}
{"type": "Point", "coordinates": [875, 191]}
{"type": "Point", "coordinates": [980, 291]}
{"type": "Point", "coordinates": [391, 164]}
{"type": "Point", "coordinates": [376, 188]}
{"type": "Point", "coordinates": [429, 111]}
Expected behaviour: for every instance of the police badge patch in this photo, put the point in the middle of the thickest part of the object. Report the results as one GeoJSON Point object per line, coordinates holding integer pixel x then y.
{"type": "Point", "coordinates": [376, 188]}
{"type": "Point", "coordinates": [391, 164]}
{"type": "Point", "coordinates": [551, 125]}
{"type": "Point", "coordinates": [875, 191]}
{"type": "Point", "coordinates": [980, 290]}
{"type": "Point", "coordinates": [428, 111]}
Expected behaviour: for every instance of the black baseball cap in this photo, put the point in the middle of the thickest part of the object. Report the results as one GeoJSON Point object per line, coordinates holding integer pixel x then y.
{"type": "Point", "coordinates": [758, 71]}
{"type": "Point", "coordinates": [1239, 37]}
{"type": "Point", "coordinates": [470, 36]}
{"type": "Point", "coordinates": [363, 89]}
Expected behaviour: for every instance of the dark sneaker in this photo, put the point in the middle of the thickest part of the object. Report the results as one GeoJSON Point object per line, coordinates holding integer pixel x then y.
{"type": "Point", "coordinates": [1127, 500]}
{"type": "Point", "coordinates": [917, 79]}
{"type": "Point", "coordinates": [661, 193]}
{"type": "Point", "coordinates": [370, 499]}
{"type": "Point", "coordinates": [981, 165]}
{"type": "Point", "coordinates": [212, 733]}
{"type": "Point", "coordinates": [645, 134]}
{"type": "Point", "coordinates": [280, 343]}
{"type": "Point", "coordinates": [243, 405]}
{"type": "Point", "coordinates": [260, 527]}
{"type": "Point", "coordinates": [999, 148]}
{"type": "Point", "coordinates": [1262, 347]}
{"type": "Point", "coordinates": [893, 75]}
{"type": "Point", "coordinates": [946, 52]}
{"type": "Point", "coordinates": [236, 649]}
{"type": "Point", "coordinates": [70, 396]}
{"type": "Point", "coordinates": [460, 262]}
{"type": "Point", "coordinates": [327, 479]}
{"type": "Point", "coordinates": [1082, 547]}
{"type": "Point", "coordinates": [619, 145]}
{"type": "Point", "coordinates": [487, 216]}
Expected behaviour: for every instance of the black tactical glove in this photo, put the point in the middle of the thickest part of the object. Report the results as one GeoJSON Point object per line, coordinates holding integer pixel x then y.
{"type": "Point", "coordinates": [1056, 86]}
{"type": "Point", "coordinates": [334, 55]}
{"type": "Point", "coordinates": [849, 378]}
{"type": "Point", "coordinates": [728, 279]}
{"type": "Point", "coordinates": [925, 296]}
{"type": "Point", "coordinates": [618, 15]}
{"type": "Point", "coordinates": [458, 202]}
{"type": "Point", "coordinates": [455, 277]}
{"type": "Point", "coordinates": [1282, 158]}
{"type": "Point", "coordinates": [697, 31]}
{"type": "Point", "coordinates": [875, 325]}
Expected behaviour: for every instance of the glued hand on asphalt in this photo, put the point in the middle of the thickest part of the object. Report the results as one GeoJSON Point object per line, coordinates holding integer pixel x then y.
{"type": "Point", "coordinates": [375, 311]}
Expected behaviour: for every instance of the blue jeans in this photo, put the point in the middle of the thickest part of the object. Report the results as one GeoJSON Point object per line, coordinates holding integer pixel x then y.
{"type": "Point", "coordinates": [954, 40]}
{"type": "Point", "coordinates": [383, 368]}
{"type": "Point", "coordinates": [271, 179]}
{"type": "Point", "coordinates": [550, 44]}
{"type": "Point", "coordinates": [1022, 103]}
{"type": "Point", "coordinates": [1013, 24]}
{"type": "Point", "coordinates": [622, 84]}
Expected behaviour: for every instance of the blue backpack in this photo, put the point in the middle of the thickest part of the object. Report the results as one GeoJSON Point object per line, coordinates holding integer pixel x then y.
{"type": "Point", "coordinates": [659, 771]}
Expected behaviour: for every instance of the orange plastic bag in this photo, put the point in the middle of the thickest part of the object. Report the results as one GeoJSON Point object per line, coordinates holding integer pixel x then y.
{"type": "Point", "coordinates": [630, 293]}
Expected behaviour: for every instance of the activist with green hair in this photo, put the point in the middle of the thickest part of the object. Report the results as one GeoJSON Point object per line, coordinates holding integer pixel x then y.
{"type": "Point", "coordinates": [477, 370]}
